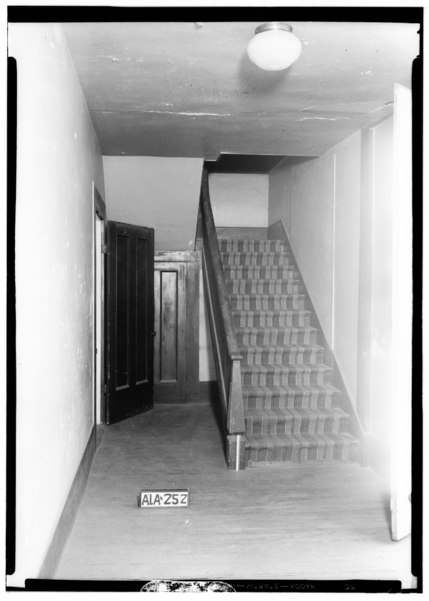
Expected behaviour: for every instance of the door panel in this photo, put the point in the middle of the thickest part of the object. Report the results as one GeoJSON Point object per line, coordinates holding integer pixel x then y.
{"type": "Point", "coordinates": [130, 311]}
{"type": "Point", "coordinates": [170, 342]}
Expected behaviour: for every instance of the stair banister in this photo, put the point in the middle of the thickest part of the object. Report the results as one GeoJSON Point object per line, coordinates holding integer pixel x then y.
{"type": "Point", "coordinates": [226, 351]}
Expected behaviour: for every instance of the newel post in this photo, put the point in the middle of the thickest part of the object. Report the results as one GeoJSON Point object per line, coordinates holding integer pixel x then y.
{"type": "Point", "coordinates": [236, 439]}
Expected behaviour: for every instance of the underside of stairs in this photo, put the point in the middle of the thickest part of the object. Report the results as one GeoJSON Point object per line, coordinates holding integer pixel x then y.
{"type": "Point", "coordinates": [293, 412]}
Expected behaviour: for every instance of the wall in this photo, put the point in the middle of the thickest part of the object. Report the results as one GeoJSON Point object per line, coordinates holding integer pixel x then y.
{"type": "Point", "coordinates": [58, 158]}
{"type": "Point", "coordinates": [239, 200]}
{"type": "Point", "coordinates": [375, 287]}
{"type": "Point", "coordinates": [381, 276]}
{"type": "Point", "coordinates": [318, 201]}
{"type": "Point", "coordinates": [157, 192]}
{"type": "Point", "coordinates": [338, 210]}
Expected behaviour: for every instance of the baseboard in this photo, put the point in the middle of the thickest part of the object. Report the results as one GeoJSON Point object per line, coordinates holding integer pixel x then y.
{"type": "Point", "coordinates": [68, 515]}
{"type": "Point", "coordinates": [277, 231]}
{"type": "Point", "coordinates": [209, 392]}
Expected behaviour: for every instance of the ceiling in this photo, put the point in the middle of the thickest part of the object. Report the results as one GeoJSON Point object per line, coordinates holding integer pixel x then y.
{"type": "Point", "coordinates": [188, 89]}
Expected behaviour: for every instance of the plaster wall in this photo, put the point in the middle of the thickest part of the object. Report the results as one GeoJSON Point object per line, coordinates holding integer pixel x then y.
{"type": "Point", "coordinates": [346, 259]}
{"type": "Point", "coordinates": [381, 280]}
{"type": "Point", "coordinates": [318, 201]}
{"type": "Point", "coordinates": [239, 200]}
{"type": "Point", "coordinates": [158, 192]}
{"type": "Point", "coordinates": [58, 159]}
{"type": "Point", "coordinates": [302, 195]}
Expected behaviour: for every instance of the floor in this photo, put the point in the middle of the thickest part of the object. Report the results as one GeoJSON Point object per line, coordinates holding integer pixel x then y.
{"type": "Point", "coordinates": [275, 522]}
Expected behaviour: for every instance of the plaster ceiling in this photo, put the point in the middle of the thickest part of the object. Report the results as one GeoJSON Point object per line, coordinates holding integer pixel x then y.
{"type": "Point", "coordinates": [188, 89]}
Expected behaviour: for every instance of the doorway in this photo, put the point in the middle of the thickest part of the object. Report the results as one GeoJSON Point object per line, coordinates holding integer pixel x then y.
{"type": "Point", "coordinates": [99, 301]}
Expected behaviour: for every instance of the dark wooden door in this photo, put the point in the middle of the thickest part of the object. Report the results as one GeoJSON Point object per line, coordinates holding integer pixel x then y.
{"type": "Point", "coordinates": [130, 315]}
{"type": "Point", "coordinates": [176, 372]}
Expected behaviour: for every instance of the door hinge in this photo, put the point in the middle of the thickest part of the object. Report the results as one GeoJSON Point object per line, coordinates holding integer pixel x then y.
{"type": "Point", "coordinates": [104, 249]}
{"type": "Point", "coordinates": [105, 389]}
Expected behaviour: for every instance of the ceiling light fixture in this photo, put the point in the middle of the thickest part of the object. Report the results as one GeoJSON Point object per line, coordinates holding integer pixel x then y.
{"type": "Point", "coordinates": [274, 47]}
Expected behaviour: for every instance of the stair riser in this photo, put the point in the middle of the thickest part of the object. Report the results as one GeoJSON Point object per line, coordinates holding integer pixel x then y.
{"type": "Point", "coordinates": [289, 402]}
{"type": "Point", "coordinates": [282, 357]}
{"type": "Point", "coordinates": [290, 320]}
{"type": "Point", "coordinates": [296, 425]}
{"type": "Point", "coordinates": [252, 246]}
{"type": "Point", "coordinates": [260, 273]}
{"type": "Point", "coordinates": [283, 379]}
{"type": "Point", "coordinates": [256, 260]}
{"type": "Point", "coordinates": [284, 303]}
{"type": "Point", "coordinates": [261, 287]}
{"type": "Point", "coordinates": [280, 338]}
{"type": "Point", "coordinates": [297, 454]}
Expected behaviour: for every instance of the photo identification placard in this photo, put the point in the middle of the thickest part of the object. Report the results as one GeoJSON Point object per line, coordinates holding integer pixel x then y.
{"type": "Point", "coordinates": [177, 498]}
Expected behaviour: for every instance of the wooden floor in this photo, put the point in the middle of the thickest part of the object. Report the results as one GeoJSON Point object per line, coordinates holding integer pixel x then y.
{"type": "Point", "coordinates": [312, 522]}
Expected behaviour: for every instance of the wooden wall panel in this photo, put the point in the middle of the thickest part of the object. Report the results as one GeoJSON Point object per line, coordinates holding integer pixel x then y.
{"type": "Point", "coordinates": [168, 324]}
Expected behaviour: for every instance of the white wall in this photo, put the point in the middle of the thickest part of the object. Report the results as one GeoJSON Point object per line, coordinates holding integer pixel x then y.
{"type": "Point", "coordinates": [381, 278]}
{"type": "Point", "coordinates": [338, 210]}
{"type": "Point", "coordinates": [306, 204]}
{"type": "Point", "coordinates": [239, 200]}
{"type": "Point", "coordinates": [346, 259]}
{"type": "Point", "coordinates": [318, 201]}
{"type": "Point", "coordinates": [58, 159]}
{"type": "Point", "coordinates": [157, 192]}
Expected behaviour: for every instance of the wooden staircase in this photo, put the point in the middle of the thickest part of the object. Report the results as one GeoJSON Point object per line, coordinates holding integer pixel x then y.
{"type": "Point", "coordinates": [292, 410]}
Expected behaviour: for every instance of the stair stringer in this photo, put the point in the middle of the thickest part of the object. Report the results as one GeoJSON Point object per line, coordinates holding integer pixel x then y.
{"type": "Point", "coordinates": [277, 231]}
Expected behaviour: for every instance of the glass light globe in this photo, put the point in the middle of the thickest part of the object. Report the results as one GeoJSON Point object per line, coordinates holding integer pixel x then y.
{"type": "Point", "coordinates": [274, 47]}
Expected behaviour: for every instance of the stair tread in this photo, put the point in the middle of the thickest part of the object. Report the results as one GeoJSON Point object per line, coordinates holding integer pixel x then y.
{"type": "Point", "coordinates": [302, 439]}
{"type": "Point", "coordinates": [279, 367]}
{"type": "Point", "coordinates": [284, 347]}
{"type": "Point", "coordinates": [259, 267]}
{"type": "Point", "coordinates": [255, 329]}
{"type": "Point", "coordinates": [270, 253]}
{"type": "Point", "coordinates": [267, 281]}
{"type": "Point", "coordinates": [292, 413]}
{"type": "Point", "coordinates": [271, 311]}
{"type": "Point", "coordinates": [229, 245]}
{"type": "Point", "coordinates": [292, 389]}
{"type": "Point", "coordinates": [266, 295]}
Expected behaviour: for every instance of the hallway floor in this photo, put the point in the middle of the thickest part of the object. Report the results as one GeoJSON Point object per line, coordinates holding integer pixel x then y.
{"type": "Point", "coordinates": [279, 522]}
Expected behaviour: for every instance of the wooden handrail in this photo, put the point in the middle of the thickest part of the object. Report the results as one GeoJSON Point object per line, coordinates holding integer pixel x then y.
{"type": "Point", "coordinates": [225, 347]}
{"type": "Point", "coordinates": [213, 247]}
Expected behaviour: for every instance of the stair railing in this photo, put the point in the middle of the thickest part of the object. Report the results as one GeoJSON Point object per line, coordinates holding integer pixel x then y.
{"type": "Point", "coordinates": [225, 347]}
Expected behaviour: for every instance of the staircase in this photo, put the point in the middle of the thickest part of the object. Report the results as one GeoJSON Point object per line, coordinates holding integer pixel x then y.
{"type": "Point", "coordinates": [293, 413]}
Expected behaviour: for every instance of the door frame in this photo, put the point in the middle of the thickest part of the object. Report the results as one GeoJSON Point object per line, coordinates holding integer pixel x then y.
{"type": "Point", "coordinates": [99, 319]}
{"type": "Point", "coordinates": [402, 316]}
